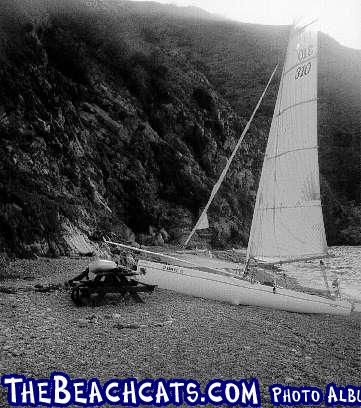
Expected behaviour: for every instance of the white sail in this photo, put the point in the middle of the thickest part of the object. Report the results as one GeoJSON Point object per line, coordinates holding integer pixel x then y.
{"type": "Point", "coordinates": [287, 221]}
{"type": "Point", "coordinates": [203, 222]}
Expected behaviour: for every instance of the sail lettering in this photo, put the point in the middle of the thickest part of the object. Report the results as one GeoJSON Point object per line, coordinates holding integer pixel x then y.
{"type": "Point", "coordinates": [303, 70]}
{"type": "Point", "coordinates": [304, 53]}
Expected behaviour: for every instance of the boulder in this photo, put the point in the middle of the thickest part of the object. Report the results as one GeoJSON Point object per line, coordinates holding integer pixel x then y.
{"type": "Point", "coordinates": [158, 240]}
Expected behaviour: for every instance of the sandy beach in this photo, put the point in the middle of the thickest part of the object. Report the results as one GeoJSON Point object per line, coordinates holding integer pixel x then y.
{"type": "Point", "coordinates": [168, 336]}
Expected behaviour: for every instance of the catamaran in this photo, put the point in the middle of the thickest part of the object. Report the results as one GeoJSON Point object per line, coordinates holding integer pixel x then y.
{"type": "Point", "coordinates": [287, 223]}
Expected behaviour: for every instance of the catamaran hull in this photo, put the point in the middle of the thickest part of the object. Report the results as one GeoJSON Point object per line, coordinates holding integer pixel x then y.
{"type": "Point", "coordinates": [231, 289]}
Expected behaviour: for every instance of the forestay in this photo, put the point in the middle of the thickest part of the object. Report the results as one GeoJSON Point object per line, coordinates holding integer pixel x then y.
{"type": "Point", "coordinates": [202, 222]}
{"type": "Point", "coordinates": [287, 221]}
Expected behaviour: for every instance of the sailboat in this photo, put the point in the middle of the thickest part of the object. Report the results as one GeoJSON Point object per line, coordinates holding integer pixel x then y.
{"type": "Point", "coordinates": [287, 223]}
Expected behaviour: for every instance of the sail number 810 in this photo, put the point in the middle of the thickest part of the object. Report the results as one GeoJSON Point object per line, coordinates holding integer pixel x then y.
{"type": "Point", "coordinates": [303, 70]}
{"type": "Point", "coordinates": [302, 54]}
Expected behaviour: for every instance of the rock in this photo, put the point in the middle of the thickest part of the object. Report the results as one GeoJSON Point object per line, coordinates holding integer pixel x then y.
{"type": "Point", "coordinates": [16, 353]}
{"type": "Point", "coordinates": [145, 239]}
{"type": "Point", "coordinates": [54, 249]}
{"type": "Point", "coordinates": [152, 231]}
{"type": "Point", "coordinates": [106, 120]}
{"type": "Point", "coordinates": [158, 240]}
{"type": "Point", "coordinates": [83, 323]}
{"type": "Point", "coordinates": [134, 244]}
{"type": "Point", "coordinates": [38, 248]}
{"type": "Point", "coordinates": [124, 135]}
{"type": "Point", "coordinates": [47, 288]}
{"type": "Point", "coordinates": [77, 241]}
{"type": "Point", "coordinates": [122, 232]}
{"type": "Point", "coordinates": [88, 118]}
{"type": "Point", "coordinates": [124, 107]}
{"type": "Point", "coordinates": [4, 289]}
{"type": "Point", "coordinates": [164, 234]}
{"type": "Point", "coordinates": [88, 107]}
{"type": "Point", "coordinates": [4, 262]}
{"type": "Point", "coordinates": [93, 318]}
{"type": "Point", "coordinates": [126, 326]}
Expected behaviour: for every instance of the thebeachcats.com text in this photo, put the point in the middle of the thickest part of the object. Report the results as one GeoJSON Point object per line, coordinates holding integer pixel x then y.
{"type": "Point", "coordinates": [59, 390]}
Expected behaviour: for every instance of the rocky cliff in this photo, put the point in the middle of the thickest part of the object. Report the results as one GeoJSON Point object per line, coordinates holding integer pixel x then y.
{"type": "Point", "coordinates": [116, 120]}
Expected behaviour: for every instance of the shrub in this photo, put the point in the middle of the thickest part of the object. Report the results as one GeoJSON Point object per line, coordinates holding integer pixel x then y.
{"type": "Point", "coordinates": [204, 99]}
{"type": "Point", "coordinates": [4, 265]}
{"type": "Point", "coordinates": [67, 54]}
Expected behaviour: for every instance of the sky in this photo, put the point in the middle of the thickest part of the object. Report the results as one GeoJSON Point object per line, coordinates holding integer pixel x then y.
{"type": "Point", "coordinates": [339, 18]}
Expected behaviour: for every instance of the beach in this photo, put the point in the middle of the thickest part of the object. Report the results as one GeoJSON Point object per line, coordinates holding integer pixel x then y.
{"type": "Point", "coordinates": [168, 336]}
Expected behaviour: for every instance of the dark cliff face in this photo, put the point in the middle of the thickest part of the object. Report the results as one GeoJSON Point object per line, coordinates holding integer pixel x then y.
{"type": "Point", "coordinates": [118, 121]}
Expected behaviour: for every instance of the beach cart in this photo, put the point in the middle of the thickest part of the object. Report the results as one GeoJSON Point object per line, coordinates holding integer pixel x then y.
{"type": "Point", "coordinates": [102, 277]}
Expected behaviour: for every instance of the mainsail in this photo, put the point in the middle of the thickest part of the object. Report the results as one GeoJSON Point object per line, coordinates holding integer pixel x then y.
{"type": "Point", "coordinates": [287, 221]}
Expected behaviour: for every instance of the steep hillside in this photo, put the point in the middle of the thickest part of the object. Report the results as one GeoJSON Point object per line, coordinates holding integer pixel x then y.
{"type": "Point", "coordinates": [237, 58]}
{"type": "Point", "coordinates": [117, 118]}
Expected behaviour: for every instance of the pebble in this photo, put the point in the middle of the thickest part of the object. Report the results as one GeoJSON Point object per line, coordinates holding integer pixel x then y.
{"type": "Point", "coordinates": [126, 326]}
{"type": "Point", "coordinates": [16, 353]}
{"type": "Point", "coordinates": [83, 323]}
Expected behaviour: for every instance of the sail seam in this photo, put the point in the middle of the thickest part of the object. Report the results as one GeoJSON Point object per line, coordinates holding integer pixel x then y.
{"type": "Point", "coordinates": [289, 206]}
{"type": "Point", "coordinates": [281, 112]}
{"type": "Point", "coordinates": [305, 61]}
{"type": "Point", "coordinates": [279, 100]}
{"type": "Point", "coordinates": [291, 151]}
{"type": "Point", "coordinates": [291, 260]}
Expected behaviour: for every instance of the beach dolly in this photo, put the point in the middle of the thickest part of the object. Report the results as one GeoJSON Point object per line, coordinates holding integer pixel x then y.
{"type": "Point", "coordinates": [109, 278]}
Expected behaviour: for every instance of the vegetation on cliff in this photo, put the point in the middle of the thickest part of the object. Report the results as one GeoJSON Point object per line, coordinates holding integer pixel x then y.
{"type": "Point", "coordinates": [117, 118]}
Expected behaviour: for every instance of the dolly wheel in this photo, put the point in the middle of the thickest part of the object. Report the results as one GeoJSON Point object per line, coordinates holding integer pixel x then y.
{"type": "Point", "coordinates": [100, 295]}
{"type": "Point", "coordinates": [75, 296]}
{"type": "Point", "coordinates": [80, 296]}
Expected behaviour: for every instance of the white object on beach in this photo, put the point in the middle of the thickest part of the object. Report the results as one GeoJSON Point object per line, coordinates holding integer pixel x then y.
{"type": "Point", "coordinates": [101, 265]}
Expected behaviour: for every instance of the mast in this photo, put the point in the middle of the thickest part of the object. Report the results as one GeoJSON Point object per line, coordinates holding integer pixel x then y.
{"type": "Point", "coordinates": [203, 221]}
{"type": "Point", "coordinates": [287, 221]}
